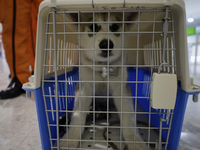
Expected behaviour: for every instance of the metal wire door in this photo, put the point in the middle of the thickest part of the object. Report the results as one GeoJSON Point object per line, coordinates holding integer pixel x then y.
{"type": "Point", "coordinates": [141, 43]}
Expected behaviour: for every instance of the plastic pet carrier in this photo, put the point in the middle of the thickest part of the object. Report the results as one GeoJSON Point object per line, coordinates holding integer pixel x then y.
{"type": "Point", "coordinates": [111, 74]}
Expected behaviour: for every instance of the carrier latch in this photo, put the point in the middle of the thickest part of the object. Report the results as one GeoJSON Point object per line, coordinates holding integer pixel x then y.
{"type": "Point", "coordinates": [164, 85]}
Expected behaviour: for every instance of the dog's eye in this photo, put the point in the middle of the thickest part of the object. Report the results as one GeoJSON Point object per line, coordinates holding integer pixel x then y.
{"type": "Point", "coordinates": [97, 28]}
{"type": "Point", "coordinates": [114, 27]}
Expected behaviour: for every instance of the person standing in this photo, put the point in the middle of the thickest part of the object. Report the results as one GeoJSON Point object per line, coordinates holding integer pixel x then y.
{"type": "Point", "coordinates": [18, 18]}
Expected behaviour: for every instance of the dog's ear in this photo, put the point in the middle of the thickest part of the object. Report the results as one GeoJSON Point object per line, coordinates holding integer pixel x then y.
{"type": "Point", "coordinates": [81, 17]}
{"type": "Point", "coordinates": [73, 17]}
{"type": "Point", "coordinates": [84, 17]}
{"type": "Point", "coordinates": [130, 16]}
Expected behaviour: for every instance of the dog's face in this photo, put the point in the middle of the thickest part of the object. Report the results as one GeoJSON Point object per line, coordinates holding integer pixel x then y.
{"type": "Point", "coordinates": [102, 34]}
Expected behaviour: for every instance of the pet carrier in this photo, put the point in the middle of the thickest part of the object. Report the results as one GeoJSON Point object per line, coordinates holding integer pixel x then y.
{"type": "Point", "coordinates": [111, 74]}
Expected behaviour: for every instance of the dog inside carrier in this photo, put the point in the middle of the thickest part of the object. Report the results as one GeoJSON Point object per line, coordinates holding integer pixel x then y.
{"type": "Point", "coordinates": [111, 75]}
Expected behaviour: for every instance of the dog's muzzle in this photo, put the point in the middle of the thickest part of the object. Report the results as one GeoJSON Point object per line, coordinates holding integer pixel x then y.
{"type": "Point", "coordinates": [106, 46]}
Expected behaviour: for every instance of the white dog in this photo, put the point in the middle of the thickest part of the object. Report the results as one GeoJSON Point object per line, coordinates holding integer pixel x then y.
{"type": "Point", "coordinates": [105, 52]}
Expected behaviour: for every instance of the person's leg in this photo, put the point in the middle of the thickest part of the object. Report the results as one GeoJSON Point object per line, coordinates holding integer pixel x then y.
{"type": "Point", "coordinates": [16, 26]}
{"type": "Point", "coordinates": [0, 12]}
{"type": "Point", "coordinates": [33, 29]}
{"type": "Point", "coordinates": [7, 22]}
{"type": "Point", "coordinates": [22, 36]}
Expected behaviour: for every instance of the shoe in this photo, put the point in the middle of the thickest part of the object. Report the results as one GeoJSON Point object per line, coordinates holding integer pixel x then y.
{"type": "Point", "coordinates": [13, 90]}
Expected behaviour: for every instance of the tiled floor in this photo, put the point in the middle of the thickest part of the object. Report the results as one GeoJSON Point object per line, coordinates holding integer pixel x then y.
{"type": "Point", "coordinates": [18, 119]}
{"type": "Point", "coordinates": [19, 128]}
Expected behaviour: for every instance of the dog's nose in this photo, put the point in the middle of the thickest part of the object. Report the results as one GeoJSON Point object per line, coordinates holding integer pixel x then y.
{"type": "Point", "coordinates": [104, 45]}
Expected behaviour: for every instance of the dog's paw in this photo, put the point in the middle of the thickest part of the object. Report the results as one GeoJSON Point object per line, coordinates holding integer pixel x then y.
{"type": "Point", "coordinates": [70, 144]}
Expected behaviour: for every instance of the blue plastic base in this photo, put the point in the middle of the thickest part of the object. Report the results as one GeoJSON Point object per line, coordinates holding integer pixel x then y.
{"type": "Point", "coordinates": [42, 120]}
{"type": "Point", "coordinates": [138, 89]}
{"type": "Point", "coordinates": [178, 118]}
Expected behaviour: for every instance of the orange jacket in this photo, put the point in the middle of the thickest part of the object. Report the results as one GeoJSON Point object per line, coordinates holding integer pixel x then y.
{"type": "Point", "coordinates": [19, 19]}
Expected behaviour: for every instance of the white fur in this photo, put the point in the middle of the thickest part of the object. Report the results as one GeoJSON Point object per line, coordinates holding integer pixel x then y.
{"type": "Point", "coordinates": [86, 74]}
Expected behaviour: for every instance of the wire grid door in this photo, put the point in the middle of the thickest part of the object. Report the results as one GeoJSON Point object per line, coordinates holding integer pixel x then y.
{"type": "Point", "coordinates": [112, 50]}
